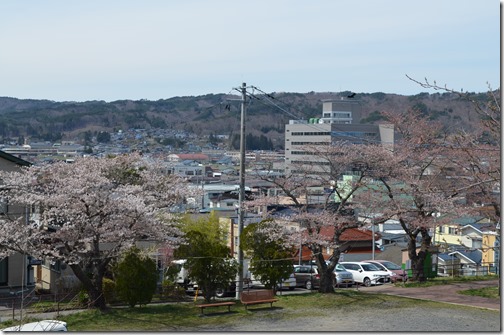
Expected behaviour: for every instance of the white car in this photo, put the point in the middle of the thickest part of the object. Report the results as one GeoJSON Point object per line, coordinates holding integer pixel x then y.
{"type": "Point", "coordinates": [366, 273]}
{"type": "Point", "coordinates": [39, 326]}
{"type": "Point", "coordinates": [289, 283]}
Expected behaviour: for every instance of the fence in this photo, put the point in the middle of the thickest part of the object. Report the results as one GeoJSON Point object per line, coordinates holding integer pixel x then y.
{"type": "Point", "coordinates": [456, 268]}
{"type": "Point", "coordinates": [17, 305]}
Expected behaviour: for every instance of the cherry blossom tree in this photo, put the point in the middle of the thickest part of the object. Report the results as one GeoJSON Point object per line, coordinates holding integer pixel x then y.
{"type": "Point", "coordinates": [412, 181]}
{"type": "Point", "coordinates": [436, 174]}
{"type": "Point", "coordinates": [87, 213]}
{"type": "Point", "coordinates": [477, 151]}
{"type": "Point", "coordinates": [342, 169]}
{"type": "Point", "coordinates": [414, 185]}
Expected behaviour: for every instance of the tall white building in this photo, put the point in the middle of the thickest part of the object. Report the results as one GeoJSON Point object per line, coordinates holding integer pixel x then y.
{"type": "Point", "coordinates": [339, 121]}
{"type": "Point", "coordinates": [340, 111]}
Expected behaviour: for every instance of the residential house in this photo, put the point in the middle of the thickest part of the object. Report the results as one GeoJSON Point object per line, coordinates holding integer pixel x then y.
{"type": "Point", "coordinates": [231, 226]}
{"type": "Point", "coordinates": [461, 263]}
{"type": "Point", "coordinates": [219, 197]}
{"type": "Point", "coordinates": [188, 168]}
{"type": "Point", "coordinates": [16, 271]}
{"type": "Point", "coordinates": [465, 231]}
{"type": "Point", "coordinates": [200, 158]}
{"type": "Point", "coordinates": [490, 251]}
{"type": "Point", "coordinates": [357, 245]}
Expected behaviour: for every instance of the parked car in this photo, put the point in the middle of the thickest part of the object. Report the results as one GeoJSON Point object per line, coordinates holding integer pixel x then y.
{"type": "Point", "coordinates": [366, 273]}
{"type": "Point", "coordinates": [181, 277]}
{"type": "Point", "coordinates": [288, 283]}
{"type": "Point", "coordinates": [396, 272]}
{"type": "Point", "coordinates": [307, 276]}
{"type": "Point", "coordinates": [343, 276]}
{"type": "Point", "coordinates": [39, 326]}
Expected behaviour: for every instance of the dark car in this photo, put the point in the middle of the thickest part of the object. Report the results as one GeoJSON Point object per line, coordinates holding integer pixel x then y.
{"type": "Point", "coordinates": [307, 276]}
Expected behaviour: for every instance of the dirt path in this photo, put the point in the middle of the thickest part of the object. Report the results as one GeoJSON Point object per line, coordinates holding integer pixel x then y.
{"type": "Point", "coordinates": [457, 313]}
{"type": "Point", "coordinates": [413, 319]}
{"type": "Point", "coordinates": [443, 293]}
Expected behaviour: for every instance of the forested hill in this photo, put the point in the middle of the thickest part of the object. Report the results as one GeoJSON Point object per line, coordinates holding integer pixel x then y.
{"type": "Point", "coordinates": [211, 114]}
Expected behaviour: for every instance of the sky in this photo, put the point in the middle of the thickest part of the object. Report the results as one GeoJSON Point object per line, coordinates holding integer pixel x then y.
{"type": "Point", "coordinates": [71, 50]}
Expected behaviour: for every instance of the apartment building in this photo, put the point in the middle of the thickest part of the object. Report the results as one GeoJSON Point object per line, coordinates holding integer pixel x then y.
{"type": "Point", "coordinates": [16, 270]}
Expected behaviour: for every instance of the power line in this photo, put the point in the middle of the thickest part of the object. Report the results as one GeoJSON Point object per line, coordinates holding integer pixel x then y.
{"type": "Point", "coordinates": [313, 125]}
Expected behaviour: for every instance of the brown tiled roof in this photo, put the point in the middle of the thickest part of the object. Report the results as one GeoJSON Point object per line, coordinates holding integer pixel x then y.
{"type": "Point", "coordinates": [351, 234]}
{"type": "Point", "coordinates": [355, 234]}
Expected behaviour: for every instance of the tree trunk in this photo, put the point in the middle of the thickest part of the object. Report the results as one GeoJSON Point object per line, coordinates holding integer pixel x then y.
{"type": "Point", "coordinates": [326, 273]}
{"type": "Point", "coordinates": [418, 259]}
{"type": "Point", "coordinates": [326, 281]}
{"type": "Point", "coordinates": [93, 286]}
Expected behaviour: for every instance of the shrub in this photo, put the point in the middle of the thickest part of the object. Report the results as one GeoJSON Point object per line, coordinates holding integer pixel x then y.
{"type": "Point", "coordinates": [170, 290]}
{"type": "Point", "coordinates": [83, 297]}
{"type": "Point", "coordinates": [136, 278]}
{"type": "Point", "coordinates": [109, 290]}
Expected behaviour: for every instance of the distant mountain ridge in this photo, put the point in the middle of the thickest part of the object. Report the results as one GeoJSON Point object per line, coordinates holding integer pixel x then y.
{"type": "Point", "coordinates": [217, 114]}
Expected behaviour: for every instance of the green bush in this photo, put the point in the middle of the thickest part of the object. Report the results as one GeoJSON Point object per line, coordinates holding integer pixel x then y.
{"type": "Point", "coordinates": [109, 290]}
{"type": "Point", "coordinates": [83, 297]}
{"type": "Point", "coordinates": [170, 290]}
{"type": "Point", "coordinates": [136, 278]}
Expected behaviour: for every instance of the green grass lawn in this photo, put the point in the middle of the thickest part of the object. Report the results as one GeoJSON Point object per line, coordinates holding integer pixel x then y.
{"type": "Point", "coordinates": [184, 316]}
{"type": "Point", "coordinates": [487, 292]}
{"type": "Point", "coordinates": [446, 281]}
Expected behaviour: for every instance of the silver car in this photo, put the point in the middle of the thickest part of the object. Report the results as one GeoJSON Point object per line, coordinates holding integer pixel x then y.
{"type": "Point", "coordinates": [343, 277]}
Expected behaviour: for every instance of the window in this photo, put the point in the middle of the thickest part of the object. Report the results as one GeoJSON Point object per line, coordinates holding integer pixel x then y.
{"type": "Point", "coordinates": [311, 143]}
{"type": "Point", "coordinates": [4, 206]}
{"type": "Point", "coordinates": [4, 265]}
{"type": "Point", "coordinates": [342, 115]}
{"type": "Point", "coordinates": [311, 133]}
{"type": "Point", "coordinates": [350, 266]}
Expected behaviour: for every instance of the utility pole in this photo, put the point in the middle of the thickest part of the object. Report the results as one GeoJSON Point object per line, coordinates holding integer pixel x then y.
{"type": "Point", "coordinates": [241, 197]}
{"type": "Point", "coordinates": [373, 232]}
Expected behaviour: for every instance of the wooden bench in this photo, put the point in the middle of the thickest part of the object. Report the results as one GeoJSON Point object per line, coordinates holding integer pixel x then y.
{"type": "Point", "coordinates": [258, 297]}
{"type": "Point", "coordinates": [216, 304]}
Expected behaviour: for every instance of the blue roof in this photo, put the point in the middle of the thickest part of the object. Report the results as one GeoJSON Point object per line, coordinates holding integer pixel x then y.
{"type": "Point", "coordinates": [445, 256]}
{"type": "Point", "coordinates": [465, 220]}
{"type": "Point", "coordinates": [474, 256]}
{"type": "Point", "coordinates": [481, 226]}
{"type": "Point", "coordinates": [392, 237]}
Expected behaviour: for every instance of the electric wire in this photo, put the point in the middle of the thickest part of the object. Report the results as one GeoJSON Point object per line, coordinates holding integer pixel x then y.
{"type": "Point", "coordinates": [312, 125]}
